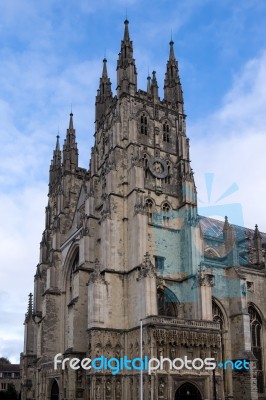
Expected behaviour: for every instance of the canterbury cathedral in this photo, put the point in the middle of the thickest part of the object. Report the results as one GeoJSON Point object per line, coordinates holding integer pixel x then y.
{"type": "Point", "coordinates": [128, 268]}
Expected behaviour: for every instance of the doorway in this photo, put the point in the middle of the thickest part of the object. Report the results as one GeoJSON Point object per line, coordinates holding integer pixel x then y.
{"type": "Point", "coordinates": [187, 391]}
{"type": "Point", "coordinates": [55, 391]}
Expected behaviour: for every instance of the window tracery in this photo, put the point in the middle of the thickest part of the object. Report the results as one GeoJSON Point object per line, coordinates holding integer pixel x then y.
{"type": "Point", "coordinates": [166, 132]}
{"type": "Point", "coordinates": [256, 344]}
{"type": "Point", "coordinates": [144, 124]}
{"type": "Point", "coordinates": [167, 302]}
{"type": "Point", "coordinates": [149, 209]}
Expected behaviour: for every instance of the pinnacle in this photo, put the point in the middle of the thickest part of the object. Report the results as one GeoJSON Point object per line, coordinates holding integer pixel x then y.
{"type": "Point", "coordinates": [104, 74]}
{"type": "Point", "coordinates": [71, 126]}
{"type": "Point", "coordinates": [126, 32]}
{"type": "Point", "coordinates": [57, 147]}
{"type": "Point", "coordinates": [172, 53]}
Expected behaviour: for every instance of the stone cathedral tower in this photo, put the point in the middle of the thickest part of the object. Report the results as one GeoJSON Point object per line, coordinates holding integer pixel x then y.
{"type": "Point", "coordinates": [123, 244]}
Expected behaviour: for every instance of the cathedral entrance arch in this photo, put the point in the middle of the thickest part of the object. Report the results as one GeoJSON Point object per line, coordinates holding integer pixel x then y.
{"type": "Point", "coordinates": [187, 391]}
{"type": "Point", "coordinates": [55, 391]}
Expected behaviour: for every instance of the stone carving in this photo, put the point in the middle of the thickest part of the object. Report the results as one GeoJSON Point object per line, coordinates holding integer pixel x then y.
{"type": "Point", "coordinates": [161, 388]}
{"type": "Point", "coordinates": [139, 206]}
{"type": "Point", "coordinates": [185, 338]}
{"type": "Point", "coordinates": [81, 216]}
{"type": "Point", "coordinates": [205, 279]}
{"type": "Point", "coordinates": [96, 275]}
{"type": "Point", "coordinates": [147, 268]}
{"type": "Point", "coordinates": [118, 390]}
{"type": "Point", "coordinates": [98, 390]}
{"type": "Point", "coordinates": [108, 388]}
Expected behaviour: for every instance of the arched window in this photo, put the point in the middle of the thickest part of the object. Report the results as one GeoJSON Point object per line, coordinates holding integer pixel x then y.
{"type": "Point", "coordinates": [73, 266]}
{"type": "Point", "coordinates": [144, 124]}
{"type": "Point", "coordinates": [149, 207]}
{"type": "Point", "coordinates": [166, 218]}
{"type": "Point", "coordinates": [217, 315]}
{"type": "Point", "coordinates": [167, 303]}
{"type": "Point", "coordinates": [166, 132]}
{"type": "Point", "coordinates": [256, 343]}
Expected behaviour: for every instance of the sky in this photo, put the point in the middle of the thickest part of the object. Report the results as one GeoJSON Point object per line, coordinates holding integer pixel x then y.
{"type": "Point", "coordinates": [51, 55]}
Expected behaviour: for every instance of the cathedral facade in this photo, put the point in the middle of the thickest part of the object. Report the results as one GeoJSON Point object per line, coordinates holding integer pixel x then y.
{"type": "Point", "coordinates": [128, 268]}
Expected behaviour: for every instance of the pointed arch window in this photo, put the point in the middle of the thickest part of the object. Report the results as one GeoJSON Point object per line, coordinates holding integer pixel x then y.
{"type": "Point", "coordinates": [256, 344]}
{"type": "Point", "coordinates": [217, 315]}
{"type": "Point", "coordinates": [144, 124]}
{"type": "Point", "coordinates": [73, 266]}
{"type": "Point", "coordinates": [149, 208]}
{"type": "Point", "coordinates": [166, 217]}
{"type": "Point", "coordinates": [166, 132]}
{"type": "Point", "coordinates": [167, 303]}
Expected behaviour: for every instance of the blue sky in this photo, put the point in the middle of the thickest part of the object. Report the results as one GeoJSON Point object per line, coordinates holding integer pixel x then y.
{"type": "Point", "coordinates": [51, 57]}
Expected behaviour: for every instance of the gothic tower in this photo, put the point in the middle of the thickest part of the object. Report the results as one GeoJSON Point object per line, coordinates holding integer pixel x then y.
{"type": "Point", "coordinates": [123, 247]}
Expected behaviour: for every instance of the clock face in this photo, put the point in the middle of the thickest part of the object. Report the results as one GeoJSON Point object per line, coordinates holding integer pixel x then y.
{"type": "Point", "coordinates": [158, 167]}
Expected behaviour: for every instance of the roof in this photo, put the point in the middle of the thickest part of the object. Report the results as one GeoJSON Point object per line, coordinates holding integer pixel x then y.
{"type": "Point", "coordinates": [10, 368]}
{"type": "Point", "coordinates": [213, 228]}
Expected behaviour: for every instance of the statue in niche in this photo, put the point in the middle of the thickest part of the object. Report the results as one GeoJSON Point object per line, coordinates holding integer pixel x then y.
{"type": "Point", "coordinates": [108, 388]}
{"type": "Point", "coordinates": [98, 391]}
{"type": "Point", "coordinates": [118, 389]}
{"type": "Point", "coordinates": [161, 387]}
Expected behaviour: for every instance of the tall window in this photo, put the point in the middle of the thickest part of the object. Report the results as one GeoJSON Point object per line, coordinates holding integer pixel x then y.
{"type": "Point", "coordinates": [166, 218]}
{"type": "Point", "coordinates": [256, 344]}
{"type": "Point", "coordinates": [74, 266]}
{"type": "Point", "coordinates": [166, 132]}
{"type": "Point", "coordinates": [149, 207]}
{"type": "Point", "coordinates": [167, 303]}
{"type": "Point", "coordinates": [144, 124]}
{"type": "Point", "coordinates": [217, 315]}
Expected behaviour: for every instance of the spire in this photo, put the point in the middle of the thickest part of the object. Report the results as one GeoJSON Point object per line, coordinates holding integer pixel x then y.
{"type": "Point", "coordinates": [57, 154]}
{"type": "Point", "coordinates": [172, 53]}
{"type": "Point", "coordinates": [57, 147]}
{"type": "Point", "coordinates": [55, 168]}
{"type": "Point", "coordinates": [104, 74]}
{"type": "Point", "coordinates": [126, 68]}
{"type": "Point", "coordinates": [148, 84]}
{"type": "Point", "coordinates": [230, 243]}
{"type": "Point", "coordinates": [256, 232]}
{"type": "Point", "coordinates": [70, 150]}
{"type": "Point", "coordinates": [172, 86]}
{"type": "Point", "coordinates": [226, 224]}
{"type": "Point", "coordinates": [71, 121]}
{"type": "Point", "coordinates": [104, 93]}
{"type": "Point", "coordinates": [257, 245]}
{"type": "Point", "coordinates": [126, 31]}
{"type": "Point", "coordinates": [154, 85]}
{"type": "Point", "coordinates": [30, 308]}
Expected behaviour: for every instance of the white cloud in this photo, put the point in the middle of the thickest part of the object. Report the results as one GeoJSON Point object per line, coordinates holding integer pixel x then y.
{"type": "Point", "coordinates": [231, 144]}
{"type": "Point", "coordinates": [22, 217]}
